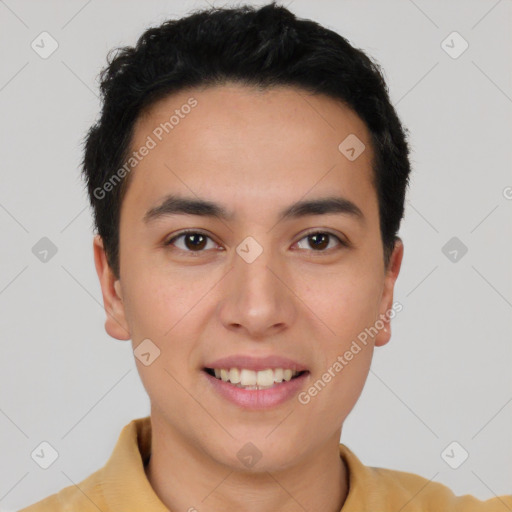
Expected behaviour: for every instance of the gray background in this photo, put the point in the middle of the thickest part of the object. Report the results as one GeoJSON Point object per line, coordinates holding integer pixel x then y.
{"type": "Point", "coordinates": [444, 376]}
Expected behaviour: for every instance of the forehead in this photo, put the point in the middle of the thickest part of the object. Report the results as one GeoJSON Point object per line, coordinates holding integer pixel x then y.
{"type": "Point", "coordinates": [246, 146]}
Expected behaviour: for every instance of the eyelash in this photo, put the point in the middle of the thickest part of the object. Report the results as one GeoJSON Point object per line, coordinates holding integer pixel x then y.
{"type": "Point", "coordinates": [342, 243]}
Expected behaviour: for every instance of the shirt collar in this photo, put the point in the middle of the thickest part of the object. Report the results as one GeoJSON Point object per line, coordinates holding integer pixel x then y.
{"type": "Point", "coordinates": [124, 481]}
{"type": "Point", "coordinates": [126, 487]}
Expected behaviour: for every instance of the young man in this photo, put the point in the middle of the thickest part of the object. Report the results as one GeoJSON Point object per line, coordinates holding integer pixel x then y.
{"type": "Point", "coordinates": [247, 178]}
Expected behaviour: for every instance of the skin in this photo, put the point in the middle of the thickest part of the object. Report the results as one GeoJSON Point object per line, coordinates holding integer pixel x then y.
{"type": "Point", "coordinates": [255, 153]}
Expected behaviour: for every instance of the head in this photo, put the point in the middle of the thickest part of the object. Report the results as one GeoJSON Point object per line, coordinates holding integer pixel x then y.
{"type": "Point", "coordinates": [238, 114]}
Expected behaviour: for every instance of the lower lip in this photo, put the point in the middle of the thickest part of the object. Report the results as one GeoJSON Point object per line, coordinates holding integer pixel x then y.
{"type": "Point", "coordinates": [258, 398]}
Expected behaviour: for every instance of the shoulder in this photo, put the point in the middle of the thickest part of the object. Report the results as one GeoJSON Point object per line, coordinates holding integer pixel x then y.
{"type": "Point", "coordinates": [411, 492]}
{"type": "Point", "coordinates": [121, 484]}
{"type": "Point", "coordinates": [375, 488]}
{"type": "Point", "coordinates": [85, 496]}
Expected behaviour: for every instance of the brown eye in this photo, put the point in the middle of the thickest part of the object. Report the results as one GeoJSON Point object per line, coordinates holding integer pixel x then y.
{"type": "Point", "coordinates": [319, 241]}
{"type": "Point", "coordinates": [192, 241]}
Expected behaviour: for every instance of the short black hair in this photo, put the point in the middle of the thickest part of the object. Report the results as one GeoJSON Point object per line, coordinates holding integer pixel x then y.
{"type": "Point", "coordinates": [260, 47]}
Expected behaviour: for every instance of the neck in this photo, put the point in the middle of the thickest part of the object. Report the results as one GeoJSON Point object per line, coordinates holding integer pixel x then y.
{"type": "Point", "coordinates": [185, 478]}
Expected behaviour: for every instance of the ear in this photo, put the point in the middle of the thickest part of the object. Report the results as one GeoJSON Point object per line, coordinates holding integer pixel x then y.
{"type": "Point", "coordinates": [115, 324]}
{"type": "Point", "coordinates": [386, 302]}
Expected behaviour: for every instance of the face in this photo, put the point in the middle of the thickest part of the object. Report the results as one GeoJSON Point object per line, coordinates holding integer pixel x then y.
{"type": "Point", "coordinates": [250, 290]}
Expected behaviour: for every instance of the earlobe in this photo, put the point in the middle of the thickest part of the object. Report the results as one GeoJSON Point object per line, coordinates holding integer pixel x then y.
{"type": "Point", "coordinates": [115, 323]}
{"type": "Point", "coordinates": [395, 263]}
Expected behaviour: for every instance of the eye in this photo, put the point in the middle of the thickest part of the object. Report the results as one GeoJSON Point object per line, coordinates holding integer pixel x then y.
{"type": "Point", "coordinates": [197, 241]}
{"type": "Point", "coordinates": [320, 240]}
{"type": "Point", "coordinates": [194, 241]}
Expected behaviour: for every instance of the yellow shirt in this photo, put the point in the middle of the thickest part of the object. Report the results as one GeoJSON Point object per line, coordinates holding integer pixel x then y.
{"type": "Point", "coordinates": [121, 485]}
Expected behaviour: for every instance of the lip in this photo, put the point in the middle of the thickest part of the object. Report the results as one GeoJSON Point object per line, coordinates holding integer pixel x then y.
{"type": "Point", "coordinates": [256, 363]}
{"type": "Point", "coordinates": [254, 399]}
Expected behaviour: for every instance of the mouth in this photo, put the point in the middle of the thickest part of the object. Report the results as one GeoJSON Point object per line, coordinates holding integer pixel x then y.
{"type": "Point", "coordinates": [245, 378]}
{"type": "Point", "coordinates": [255, 383]}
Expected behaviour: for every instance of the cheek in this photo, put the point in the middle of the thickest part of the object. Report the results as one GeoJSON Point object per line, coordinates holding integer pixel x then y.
{"type": "Point", "coordinates": [158, 304]}
{"type": "Point", "coordinates": [333, 392]}
{"type": "Point", "coordinates": [169, 311]}
{"type": "Point", "coordinates": [163, 312]}
{"type": "Point", "coordinates": [346, 301]}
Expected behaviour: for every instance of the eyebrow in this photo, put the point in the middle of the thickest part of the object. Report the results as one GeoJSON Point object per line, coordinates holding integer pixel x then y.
{"type": "Point", "coordinates": [177, 205]}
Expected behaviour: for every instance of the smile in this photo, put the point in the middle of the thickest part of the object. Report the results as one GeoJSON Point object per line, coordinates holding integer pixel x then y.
{"type": "Point", "coordinates": [256, 389]}
{"type": "Point", "coordinates": [254, 380]}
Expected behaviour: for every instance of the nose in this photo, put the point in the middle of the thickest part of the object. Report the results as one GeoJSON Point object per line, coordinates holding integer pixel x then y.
{"type": "Point", "coordinates": [257, 299]}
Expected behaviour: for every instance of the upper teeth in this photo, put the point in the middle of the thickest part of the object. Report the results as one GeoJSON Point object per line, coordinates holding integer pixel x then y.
{"type": "Point", "coordinates": [246, 377]}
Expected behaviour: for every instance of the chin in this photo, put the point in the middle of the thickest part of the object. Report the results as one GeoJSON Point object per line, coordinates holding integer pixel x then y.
{"type": "Point", "coordinates": [257, 453]}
